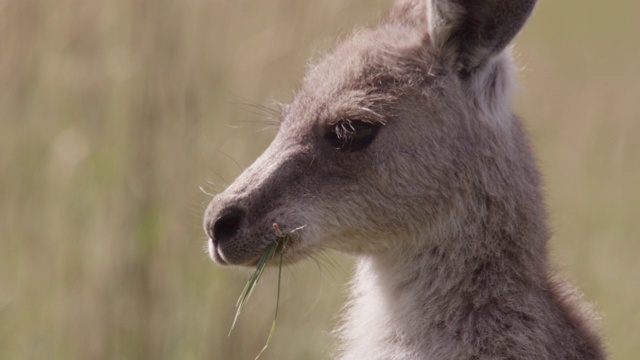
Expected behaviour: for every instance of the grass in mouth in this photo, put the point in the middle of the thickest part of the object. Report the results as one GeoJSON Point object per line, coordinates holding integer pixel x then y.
{"type": "Point", "coordinates": [279, 244]}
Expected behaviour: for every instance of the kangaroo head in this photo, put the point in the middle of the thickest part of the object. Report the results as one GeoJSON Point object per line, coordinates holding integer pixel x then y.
{"type": "Point", "coordinates": [395, 132]}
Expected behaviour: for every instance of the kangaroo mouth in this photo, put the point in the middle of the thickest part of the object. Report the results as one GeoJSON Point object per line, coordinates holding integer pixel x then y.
{"type": "Point", "coordinates": [215, 255]}
{"type": "Point", "coordinates": [245, 252]}
{"type": "Point", "coordinates": [236, 257]}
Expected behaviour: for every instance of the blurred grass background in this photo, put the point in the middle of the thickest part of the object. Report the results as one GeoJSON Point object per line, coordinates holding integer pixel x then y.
{"type": "Point", "coordinates": [114, 113]}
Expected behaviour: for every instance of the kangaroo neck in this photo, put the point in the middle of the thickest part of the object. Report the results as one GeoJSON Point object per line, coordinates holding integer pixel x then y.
{"type": "Point", "coordinates": [427, 303]}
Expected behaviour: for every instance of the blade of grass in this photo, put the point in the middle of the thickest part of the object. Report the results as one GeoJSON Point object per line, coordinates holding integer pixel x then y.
{"type": "Point", "coordinates": [275, 315]}
{"type": "Point", "coordinates": [269, 253]}
{"type": "Point", "coordinates": [253, 280]}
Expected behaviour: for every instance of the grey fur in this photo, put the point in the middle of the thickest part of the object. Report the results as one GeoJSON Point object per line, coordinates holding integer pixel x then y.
{"type": "Point", "coordinates": [443, 210]}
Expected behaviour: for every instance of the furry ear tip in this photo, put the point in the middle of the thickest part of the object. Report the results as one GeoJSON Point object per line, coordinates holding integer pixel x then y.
{"type": "Point", "coordinates": [473, 30]}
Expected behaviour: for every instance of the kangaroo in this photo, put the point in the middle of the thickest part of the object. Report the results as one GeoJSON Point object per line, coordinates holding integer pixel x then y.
{"type": "Point", "coordinates": [401, 148]}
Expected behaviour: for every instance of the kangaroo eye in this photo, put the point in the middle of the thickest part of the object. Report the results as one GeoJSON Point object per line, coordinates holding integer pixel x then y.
{"type": "Point", "coordinates": [352, 135]}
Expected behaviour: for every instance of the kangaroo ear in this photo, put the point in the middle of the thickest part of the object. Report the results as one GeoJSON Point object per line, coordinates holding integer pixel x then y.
{"type": "Point", "coordinates": [469, 32]}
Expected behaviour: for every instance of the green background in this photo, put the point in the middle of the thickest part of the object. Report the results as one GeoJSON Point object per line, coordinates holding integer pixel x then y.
{"type": "Point", "coordinates": [114, 113]}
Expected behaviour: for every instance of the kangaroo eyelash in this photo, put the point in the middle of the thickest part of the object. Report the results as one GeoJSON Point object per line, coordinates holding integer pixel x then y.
{"type": "Point", "coordinates": [352, 135]}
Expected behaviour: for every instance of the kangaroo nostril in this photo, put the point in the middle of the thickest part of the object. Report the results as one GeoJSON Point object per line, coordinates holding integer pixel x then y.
{"type": "Point", "coordinates": [227, 225]}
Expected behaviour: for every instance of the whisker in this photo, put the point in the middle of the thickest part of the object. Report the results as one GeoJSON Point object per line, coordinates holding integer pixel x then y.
{"type": "Point", "coordinates": [204, 191]}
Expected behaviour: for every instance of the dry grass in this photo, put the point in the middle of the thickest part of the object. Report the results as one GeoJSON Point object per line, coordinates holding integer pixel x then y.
{"type": "Point", "coordinates": [113, 113]}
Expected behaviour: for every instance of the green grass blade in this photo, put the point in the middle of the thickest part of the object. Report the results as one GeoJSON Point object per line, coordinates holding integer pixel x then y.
{"type": "Point", "coordinates": [275, 316]}
{"type": "Point", "coordinates": [253, 280]}
{"type": "Point", "coordinates": [268, 255]}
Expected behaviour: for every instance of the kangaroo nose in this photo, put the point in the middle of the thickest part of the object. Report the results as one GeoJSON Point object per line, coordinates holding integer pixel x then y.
{"type": "Point", "coordinates": [227, 225]}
